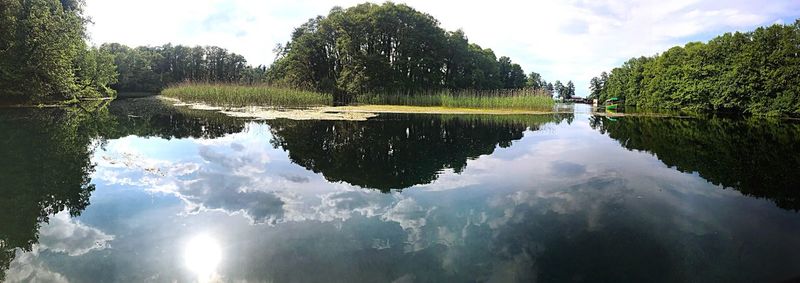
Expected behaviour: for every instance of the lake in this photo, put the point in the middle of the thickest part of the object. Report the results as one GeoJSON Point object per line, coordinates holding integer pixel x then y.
{"type": "Point", "coordinates": [141, 191]}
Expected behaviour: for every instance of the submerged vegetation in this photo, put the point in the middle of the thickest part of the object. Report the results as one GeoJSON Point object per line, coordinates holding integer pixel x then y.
{"type": "Point", "coordinates": [235, 95]}
{"type": "Point", "coordinates": [755, 72]}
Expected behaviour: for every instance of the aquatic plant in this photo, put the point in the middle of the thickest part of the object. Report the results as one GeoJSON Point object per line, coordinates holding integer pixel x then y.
{"type": "Point", "coordinates": [236, 95]}
{"type": "Point", "coordinates": [527, 99]}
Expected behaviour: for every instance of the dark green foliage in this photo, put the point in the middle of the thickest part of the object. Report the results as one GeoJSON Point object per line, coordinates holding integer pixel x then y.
{"type": "Point", "coordinates": [536, 82]}
{"type": "Point", "coordinates": [756, 72]}
{"type": "Point", "coordinates": [563, 91]}
{"type": "Point", "coordinates": [94, 72]}
{"type": "Point", "coordinates": [596, 85]}
{"type": "Point", "coordinates": [43, 55]}
{"type": "Point", "coordinates": [511, 74]}
{"type": "Point", "coordinates": [150, 69]}
{"type": "Point", "coordinates": [569, 90]}
{"type": "Point", "coordinates": [559, 89]}
{"type": "Point", "coordinates": [388, 48]}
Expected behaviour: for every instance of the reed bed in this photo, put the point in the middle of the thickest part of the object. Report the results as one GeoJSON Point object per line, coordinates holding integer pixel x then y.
{"type": "Point", "coordinates": [526, 99]}
{"type": "Point", "coordinates": [524, 120]}
{"type": "Point", "coordinates": [239, 96]}
{"type": "Point", "coordinates": [262, 95]}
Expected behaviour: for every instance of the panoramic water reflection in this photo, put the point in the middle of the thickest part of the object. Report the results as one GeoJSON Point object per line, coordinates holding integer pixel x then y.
{"type": "Point", "coordinates": [144, 192]}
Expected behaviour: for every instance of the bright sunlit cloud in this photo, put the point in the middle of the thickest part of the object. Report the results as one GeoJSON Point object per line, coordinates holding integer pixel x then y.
{"type": "Point", "coordinates": [562, 40]}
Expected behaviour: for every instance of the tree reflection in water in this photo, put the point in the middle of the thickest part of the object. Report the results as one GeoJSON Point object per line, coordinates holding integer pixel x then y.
{"type": "Point", "coordinates": [757, 157]}
{"type": "Point", "coordinates": [399, 151]}
{"type": "Point", "coordinates": [45, 169]}
{"type": "Point", "coordinates": [47, 166]}
{"type": "Point", "coordinates": [46, 156]}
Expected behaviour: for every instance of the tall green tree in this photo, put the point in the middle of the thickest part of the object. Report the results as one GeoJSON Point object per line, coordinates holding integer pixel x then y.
{"type": "Point", "coordinates": [570, 90]}
{"type": "Point", "coordinates": [755, 72]}
{"type": "Point", "coordinates": [43, 54]}
{"type": "Point", "coordinates": [512, 75]}
{"type": "Point", "coordinates": [535, 81]}
{"type": "Point", "coordinates": [95, 72]}
{"type": "Point", "coordinates": [150, 69]}
{"type": "Point", "coordinates": [559, 89]}
{"type": "Point", "coordinates": [387, 48]}
{"type": "Point", "coordinates": [595, 87]}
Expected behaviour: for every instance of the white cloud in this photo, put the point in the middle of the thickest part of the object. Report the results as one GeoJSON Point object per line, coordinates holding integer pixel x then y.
{"type": "Point", "coordinates": [66, 235]}
{"type": "Point", "coordinates": [27, 267]}
{"type": "Point", "coordinates": [62, 234]}
{"type": "Point", "coordinates": [564, 40]}
{"type": "Point", "coordinates": [342, 205]}
{"type": "Point", "coordinates": [449, 180]}
{"type": "Point", "coordinates": [412, 218]}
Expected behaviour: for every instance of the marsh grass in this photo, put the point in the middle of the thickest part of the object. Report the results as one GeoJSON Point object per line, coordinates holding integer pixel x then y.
{"type": "Point", "coordinates": [526, 120]}
{"type": "Point", "coordinates": [526, 99]}
{"type": "Point", "coordinates": [262, 95]}
{"type": "Point", "coordinates": [239, 96]}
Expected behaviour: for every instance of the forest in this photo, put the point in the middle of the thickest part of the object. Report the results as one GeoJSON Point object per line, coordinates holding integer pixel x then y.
{"type": "Point", "coordinates": [386, 49]}
{"type": "Point", "coordinates": [391, 48]}
{"type": "Point", "coordinates": [44, 55]}
{"type": "Point", "coordinates": [754, 72]}
{"type": "Point", "coordinates": [44, 58]}
{"type": "Point", "coordinates": [151, 69]}
{"type": "Point", "coordinates": [368, 48]}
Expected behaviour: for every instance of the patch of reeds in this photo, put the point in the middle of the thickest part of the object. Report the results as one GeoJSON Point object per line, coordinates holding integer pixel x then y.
{"type": "Point", "coordinates": [527, 99]}
{"type": "Point", "coordinates": [242, 95]}
{"type": "Point", "coordinates": [262, 95]}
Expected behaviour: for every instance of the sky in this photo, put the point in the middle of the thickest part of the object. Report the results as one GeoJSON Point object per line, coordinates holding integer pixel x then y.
{"type": "Point", "coordinates": [562, 40]}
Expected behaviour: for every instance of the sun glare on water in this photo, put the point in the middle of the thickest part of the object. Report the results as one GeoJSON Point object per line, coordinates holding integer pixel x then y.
{"type": "Point", "coordinates": [202, 256]}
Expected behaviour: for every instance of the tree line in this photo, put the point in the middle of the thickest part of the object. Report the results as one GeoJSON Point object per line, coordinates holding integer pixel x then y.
{"type": "Point", "coordinates": [44, 55]}
{"type": "Point", "coordinates": [390, 48]}
{"type": "Point", "coordinates": [150, 69]}
{"type": "Point", "coordinates": [755, 72]}
{"type": "Point", "coordinates": [368, 48]}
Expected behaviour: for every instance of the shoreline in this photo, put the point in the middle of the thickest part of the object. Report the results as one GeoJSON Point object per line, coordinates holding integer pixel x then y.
{"type": "Point", "coordinates": [55, 104]}
{"type": "Point", "coordinates": [364, 112]}
{"type": "Point", "coordinates": [351, 113]}
{"type": "Point", "coordinates": [407, 109]}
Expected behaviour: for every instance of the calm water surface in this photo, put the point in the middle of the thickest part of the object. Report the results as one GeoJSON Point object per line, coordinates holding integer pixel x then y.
{"type": "Point", "coordinates": [144, 192]}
